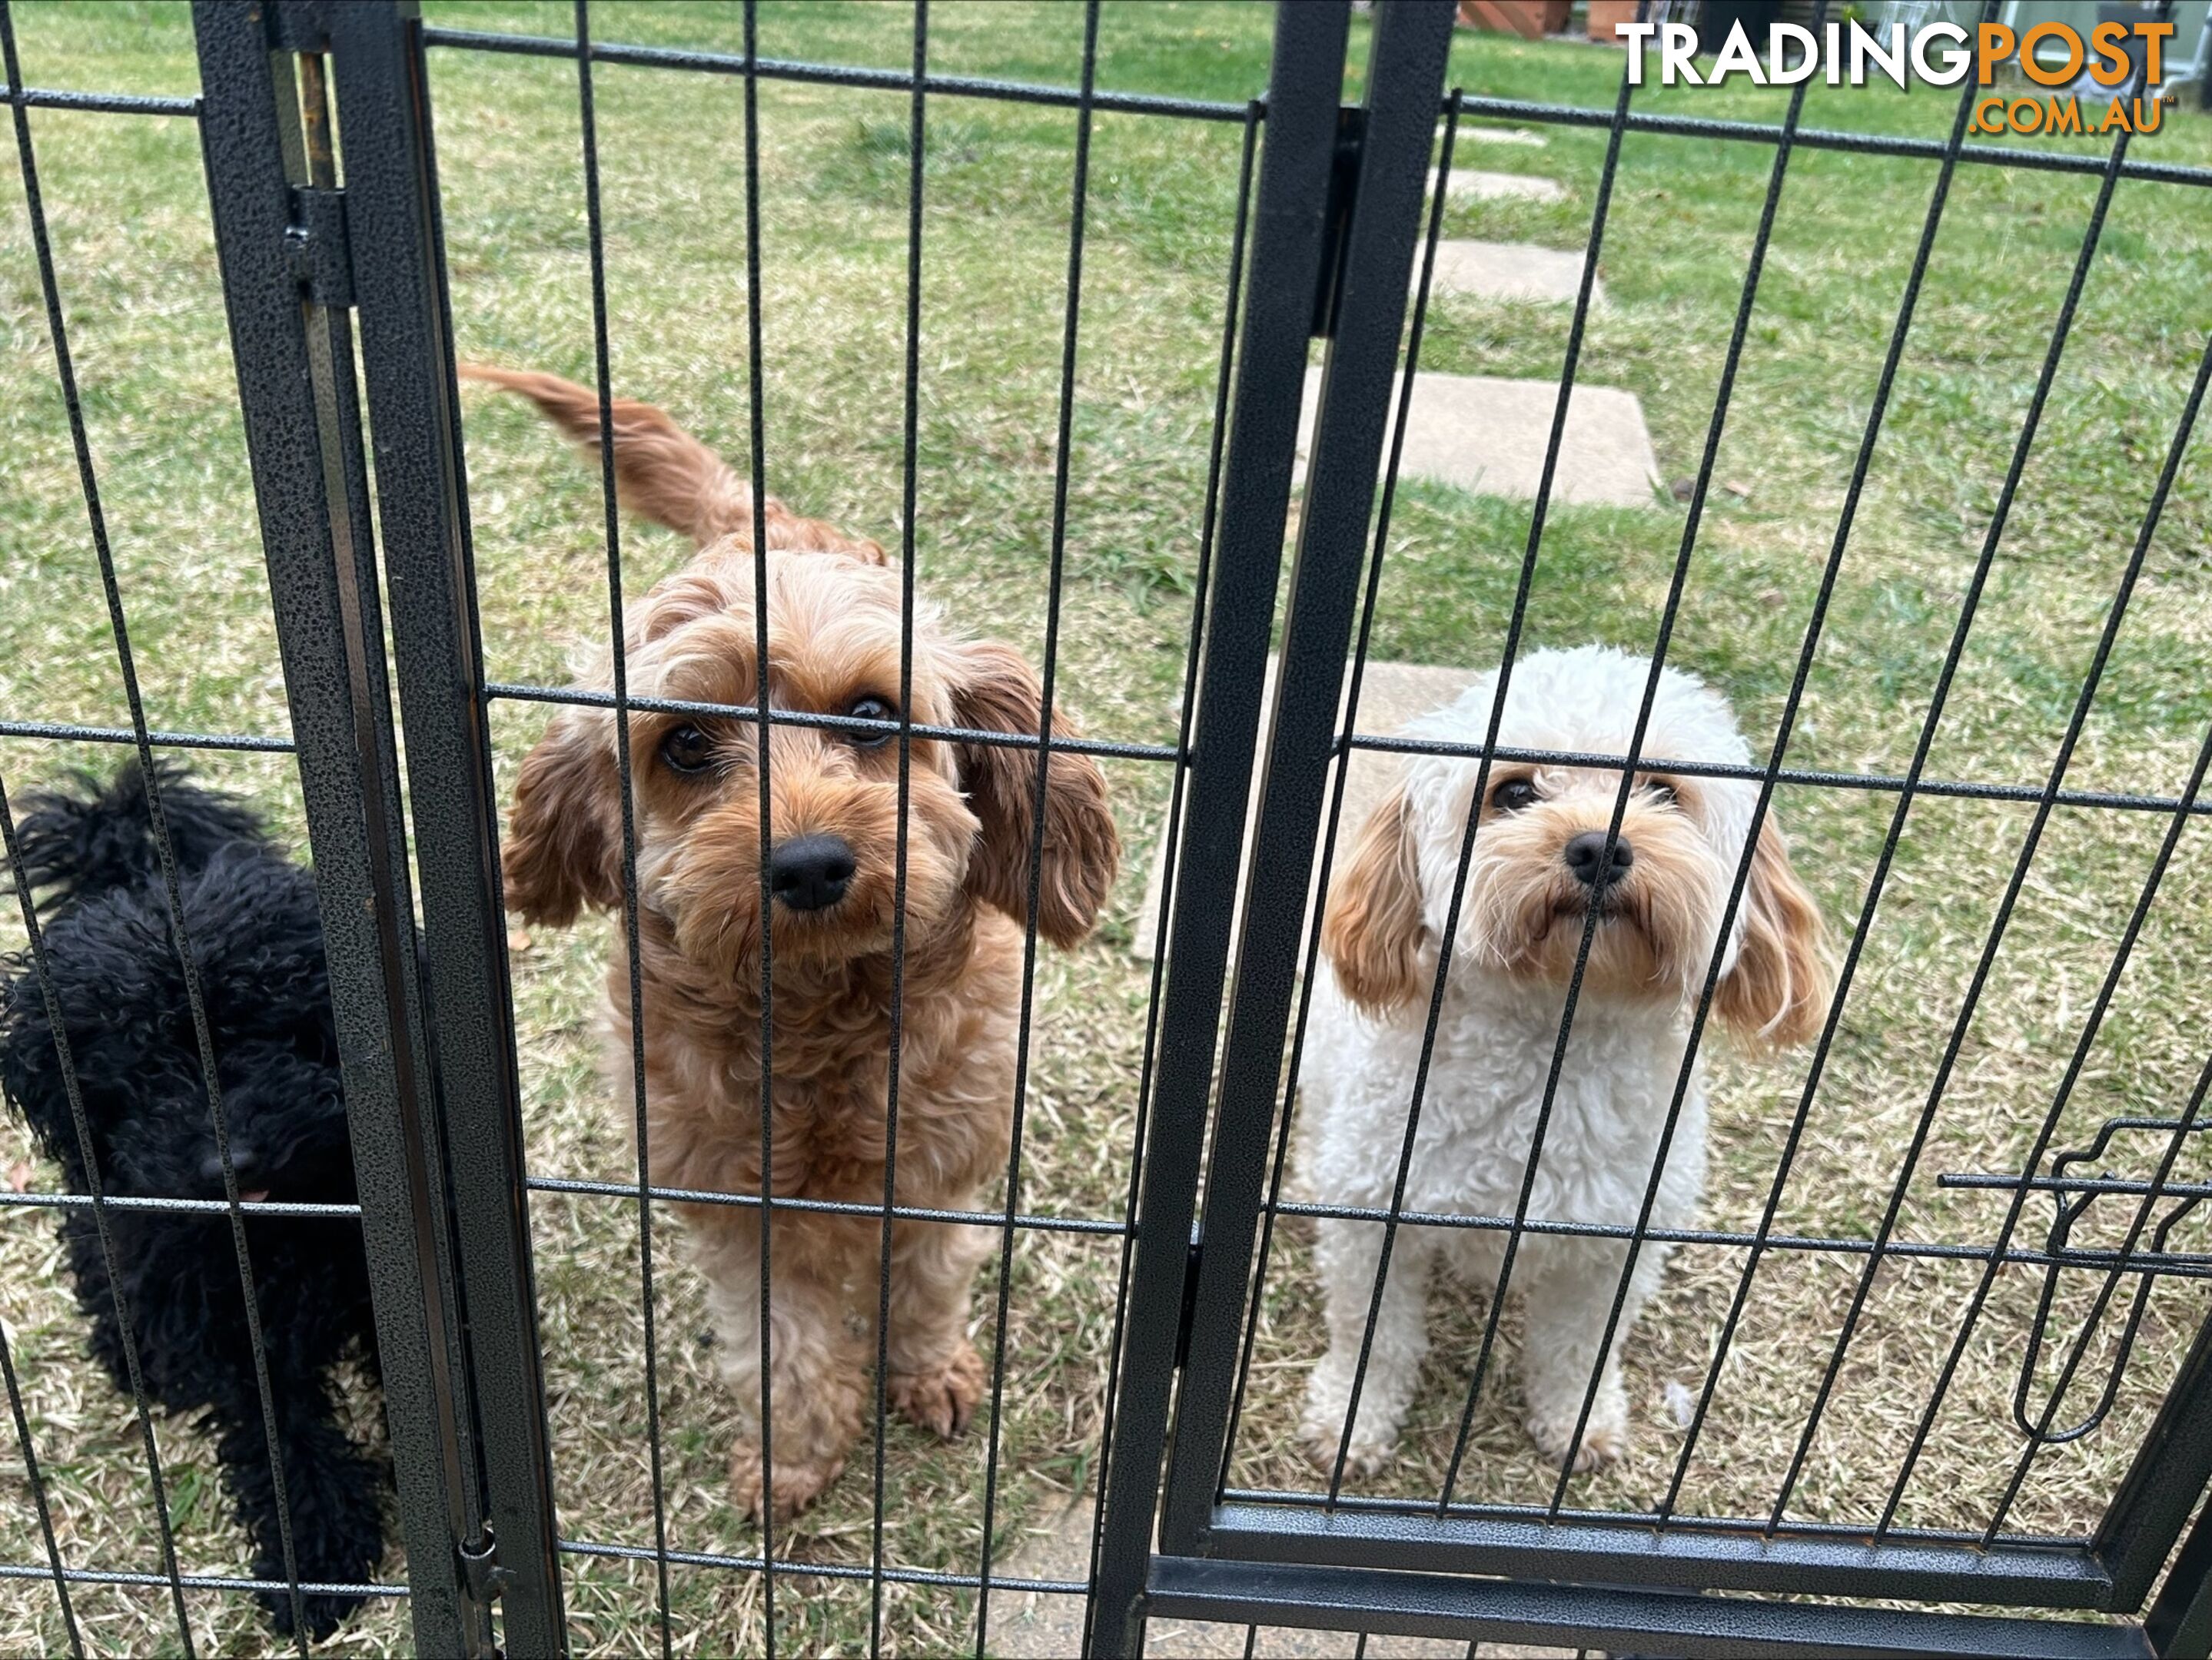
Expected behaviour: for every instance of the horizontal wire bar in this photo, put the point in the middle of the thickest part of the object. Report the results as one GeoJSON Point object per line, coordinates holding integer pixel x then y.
{"type": "Point", "coordinates": [66, 732]}
{"type": "Point", "coordinates": [1626, 1519]}
{"type": "Point", "coordinates": [836, 74]}
{"type": "Point", "coordinates": [103, 103]}
{"type": "Point", "coordinates": [197, 1581]}
{"type": "Point", "coordinates": [1651, 1618]}
{"type": "Point", "coordinates": [700, 1559]}
{"type": "Point", "coordinates": [1006, 740]}
{"type": "Point", "coordinates": [1981, 1181]}
{"type": "Point", "coordinates": [1381, 744]}
{"type": "Point", "coordinates": [2178, 1265]}
{"type": "Point", "coordinates": [188, 1207]}
{"type": "Point", "coordinates": [1962, 790]}
{"type": "Point", "coordinates": [1212, 110]}
{"type": "Point", "coordinates": [829, 1207]}
{"type": "Point", "coordinates": [255, 742]}
{"type": "Point", "coordinates": [1865, 143]}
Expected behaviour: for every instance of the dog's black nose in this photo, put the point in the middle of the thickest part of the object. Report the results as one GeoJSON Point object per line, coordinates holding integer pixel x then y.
{"type": "Point", "coordinates": [1586, 857]}
{"type": "Point", "coordinates": [809, 873]}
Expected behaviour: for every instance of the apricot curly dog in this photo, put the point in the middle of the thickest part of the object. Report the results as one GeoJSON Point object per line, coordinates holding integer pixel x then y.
{"type": "Point", "coordinates": [832, 827]}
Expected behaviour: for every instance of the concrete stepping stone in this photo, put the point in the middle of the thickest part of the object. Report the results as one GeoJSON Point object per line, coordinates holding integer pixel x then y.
{"type": "Point", "coordinates": [1472, 133]}
{"type": "Point", "coordinates": [1469, 185]}
{"type": "Point", "coordinates": [1485, 434]}
{"type": "Point", "coordinates": [1509, 270]}
{"type": "Point", "coordinates": [1390, 695]}
{"type": "Point", "coordinates": [1034, 1626]}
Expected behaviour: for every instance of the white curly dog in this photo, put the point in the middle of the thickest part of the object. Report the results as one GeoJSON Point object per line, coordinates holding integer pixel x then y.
{"type": "Point", "coordinates": [1539, 860]}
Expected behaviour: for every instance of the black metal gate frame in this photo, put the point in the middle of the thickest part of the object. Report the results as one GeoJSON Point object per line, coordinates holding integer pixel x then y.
{"type": "Point", "coordinates": [284, 237]}
{"type": "Point", "coordinates": [1330, 1561]}
{"type": "Point", "coordinates": [430, 1059]}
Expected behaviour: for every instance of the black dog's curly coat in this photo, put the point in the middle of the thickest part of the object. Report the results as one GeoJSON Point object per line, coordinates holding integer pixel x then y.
{"type": "Point", "coordinates": [114, 977]}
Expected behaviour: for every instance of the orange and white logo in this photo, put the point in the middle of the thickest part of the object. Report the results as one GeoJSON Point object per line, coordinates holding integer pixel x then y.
{"type": "Point", "coordinates": [2050, 55]}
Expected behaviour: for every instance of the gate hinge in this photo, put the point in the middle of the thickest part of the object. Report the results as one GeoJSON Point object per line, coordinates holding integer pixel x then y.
{"type": "Point", "coordinates": [483, 1579]}
{"type": "Point", "coordinates": [1189, 1316]}
{"type": "Point", "coordinates": [1336, 215]}
{"type": "Point", "coordinates": [480, 1569]}
{"type": "Point", "coordinates": [322, 254]}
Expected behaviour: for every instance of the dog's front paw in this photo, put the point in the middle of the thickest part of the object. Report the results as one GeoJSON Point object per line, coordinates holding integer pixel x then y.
{"type": "Point", "coordinates": [1604, 1437]}
{"type": "Point", "coordinates": [1322, 1434]}
{"type": "Point", "coordinates": [798, 1482]}
{"type": "Point", "coordinates": [337, 1539]}
{"type": "Point", "coordinates": [943, 1399]}
{"type": "Point", "coordinates": [323, 1614]}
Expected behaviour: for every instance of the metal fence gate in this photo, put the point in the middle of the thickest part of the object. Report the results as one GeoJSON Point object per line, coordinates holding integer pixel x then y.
{"type": "Point", "coordinates": [319, 240]}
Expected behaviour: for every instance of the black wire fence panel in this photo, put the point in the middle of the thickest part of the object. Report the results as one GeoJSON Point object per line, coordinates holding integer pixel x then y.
{"type": "Point", "coordinates": [943, 279]}
{"type": "Point", "coordinates": [1919, 1228]}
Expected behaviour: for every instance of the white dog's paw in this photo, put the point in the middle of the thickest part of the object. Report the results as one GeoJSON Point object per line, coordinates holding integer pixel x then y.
{"type": "Point", "coordinates": [1322, 1433]}
{"type": "Point", "coordinates": [1329, 1394]}
{"type": "Point", "coordinates": [1604, 1438]}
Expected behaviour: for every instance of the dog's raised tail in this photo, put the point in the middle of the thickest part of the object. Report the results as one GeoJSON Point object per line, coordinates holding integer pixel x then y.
{"type": "Point", "coordinates": [89, 837]}
{"type": "Point", "coordinates": [661, 471]}
{"type": "Point", "coordinates": [665, 474]}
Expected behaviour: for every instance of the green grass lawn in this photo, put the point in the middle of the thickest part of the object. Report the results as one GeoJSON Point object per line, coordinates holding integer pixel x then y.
{"type": "Point", "coordinates": [126, 201]}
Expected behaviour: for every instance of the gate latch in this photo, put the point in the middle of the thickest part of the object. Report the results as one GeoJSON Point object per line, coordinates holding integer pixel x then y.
{"type": "Point", "coordinates": [1336, 215]}
{"type": "Point", "coordinates": [322, 255]}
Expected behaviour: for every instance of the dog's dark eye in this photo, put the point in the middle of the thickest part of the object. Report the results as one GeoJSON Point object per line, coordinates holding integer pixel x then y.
{"type": "Point", "coordinates": [871, 708]}
{"type": "Point", "coordinates": [1512, 795]}
{"type": "Point", "coordinates": [687, 749]}
{"type": "Point", "coordinates": [1659, 789]}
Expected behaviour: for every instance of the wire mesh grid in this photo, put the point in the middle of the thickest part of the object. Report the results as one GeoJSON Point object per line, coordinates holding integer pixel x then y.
{"type": "Point", "coordinates": [1011, 1221]}
{"type": "Point", "coordinates": [2110, 1264]}
{"type": "Point", "coordinates": [87, 1146]}
{"type": "Point", "coordinates": [1882, 1245]}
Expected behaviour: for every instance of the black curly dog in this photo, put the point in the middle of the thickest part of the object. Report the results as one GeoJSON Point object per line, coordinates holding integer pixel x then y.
{"type": "Point", "coordinates": [114, 977]}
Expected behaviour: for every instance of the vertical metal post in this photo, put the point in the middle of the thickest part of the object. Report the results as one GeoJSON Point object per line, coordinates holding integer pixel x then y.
{"type": "Point", "coordinates": [1305, 83]}
{"type": "Point", "coordinates": [2180, 1622]}
{"type": "Point", "coordinates": [1404, 86]}
{"type": "Point", "coordinates": [400, 296]}
{"type": "Point", "coordinates": [323, 589]}
{"type": "Point", "coordinates": [2165, 1482]}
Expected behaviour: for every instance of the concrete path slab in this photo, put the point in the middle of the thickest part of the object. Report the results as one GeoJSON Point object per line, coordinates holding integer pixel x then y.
{"type": "Point", "coordinates": [1471, 132]}
{"type": "Point", "coordinates": [1509, 270]}
{"type": "Point", "coordinates": [1469, 185]}
{"type": "Point", "coordinates": [1031, 1626]}
{"type": "Point", "coordinates": [1485, 434]}
{"type": "Point", "coordinates": [1390, 695]}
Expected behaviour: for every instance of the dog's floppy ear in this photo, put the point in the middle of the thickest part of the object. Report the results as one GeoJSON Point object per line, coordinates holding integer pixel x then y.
{"type": "Point", "coordinates": [1375, 936]}
{"type": "Point", "coordinates": [997, 691]}
{"type": "Point", "coordinates": [1776, 993]}
{"type": "Point", "coordinates": [560, 852]}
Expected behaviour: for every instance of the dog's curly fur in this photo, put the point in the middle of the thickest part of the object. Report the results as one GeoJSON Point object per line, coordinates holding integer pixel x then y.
{"type": "Point", "coordinates": [1519, 931]}
{"type": "Point", "coordinates": [834, 633]}
{"type": "Point", "coordinates": [113, 975]}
